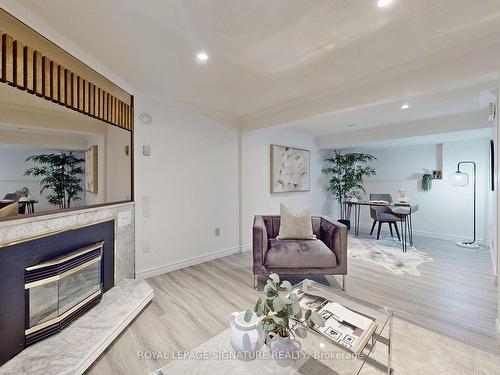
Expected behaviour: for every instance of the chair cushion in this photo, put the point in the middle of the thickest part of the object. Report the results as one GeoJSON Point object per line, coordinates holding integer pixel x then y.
{"type": "Point", "coordinates": [295, 225]}
{"type": "Point", "coordinates": [299, 254]}
{"type": "Point", "coordinates": [385, 216]}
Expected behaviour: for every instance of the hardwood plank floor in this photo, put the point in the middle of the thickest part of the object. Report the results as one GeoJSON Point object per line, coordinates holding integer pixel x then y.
{"type": "Point", "coordinates": [455, 295]}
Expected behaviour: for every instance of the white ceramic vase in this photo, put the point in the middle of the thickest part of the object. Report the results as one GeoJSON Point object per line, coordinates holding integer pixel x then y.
{"type": "Point", "coordinates": [246, 337]}
{"type": "Point", "coordinates": [284, 349]}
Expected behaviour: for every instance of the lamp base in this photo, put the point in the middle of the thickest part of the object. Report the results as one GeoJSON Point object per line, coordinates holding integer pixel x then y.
{"type": "Point", "coordinates": [468, 244]}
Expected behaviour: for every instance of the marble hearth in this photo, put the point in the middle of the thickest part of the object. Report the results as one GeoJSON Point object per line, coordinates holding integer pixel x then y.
{"type": "Point", "coordinates": [74, 349]}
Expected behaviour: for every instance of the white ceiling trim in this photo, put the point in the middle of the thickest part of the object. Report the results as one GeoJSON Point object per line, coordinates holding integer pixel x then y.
{"type": "Point", "coordinates": [438, 125]}
{"type": "Point", "coordinates": [472, 63]}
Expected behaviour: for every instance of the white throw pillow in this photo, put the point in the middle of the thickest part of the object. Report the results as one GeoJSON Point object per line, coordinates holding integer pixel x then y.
{"type": "Point", "coordinates": [295, 226]}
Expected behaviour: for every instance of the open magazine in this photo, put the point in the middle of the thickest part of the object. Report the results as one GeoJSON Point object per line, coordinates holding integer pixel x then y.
{"type": "Point", "coordinates": [343, 326]}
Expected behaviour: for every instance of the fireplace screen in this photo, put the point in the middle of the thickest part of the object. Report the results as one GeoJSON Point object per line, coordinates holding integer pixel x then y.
{"type": "Point", "coordinates": [61, 289]}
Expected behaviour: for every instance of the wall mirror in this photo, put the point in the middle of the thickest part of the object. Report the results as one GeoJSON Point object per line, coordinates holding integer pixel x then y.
{"type": "Point", "coordinates": [53, 158]}
{"type": "Point", "coordinates": [66, 132]}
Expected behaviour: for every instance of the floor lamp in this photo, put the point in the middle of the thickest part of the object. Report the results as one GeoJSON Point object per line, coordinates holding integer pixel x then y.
{"type": "Point", "coordinates": [460, 178]}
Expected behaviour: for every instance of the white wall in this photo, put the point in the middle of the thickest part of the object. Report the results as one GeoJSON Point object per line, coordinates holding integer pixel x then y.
{"type": "Point", "coordinates": [256, 198]}
{"type": "Point", "coordinates": [444, 211]}
{"type": "Point", "coordinates": [191, 183]}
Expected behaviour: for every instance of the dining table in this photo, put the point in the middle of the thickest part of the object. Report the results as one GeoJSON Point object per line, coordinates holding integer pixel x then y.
{"type": "Point", "coordinates": [403, 211]}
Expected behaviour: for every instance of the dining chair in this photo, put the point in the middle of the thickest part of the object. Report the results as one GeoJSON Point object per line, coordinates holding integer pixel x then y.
{"type": "Point", "coordinates": [381, 214]}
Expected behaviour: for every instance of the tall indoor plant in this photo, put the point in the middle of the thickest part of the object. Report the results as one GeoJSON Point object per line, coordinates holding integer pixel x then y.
{"type": "Point", "coordinates": [346, 172]}
{"type": "Point", "coordinates": [62, 175]}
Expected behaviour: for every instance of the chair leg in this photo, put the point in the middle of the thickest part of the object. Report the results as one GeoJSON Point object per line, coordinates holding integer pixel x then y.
{"type": "Point", "coordinates": [343, 282]}
{"type": "Point", "coordinates": [255, 281]}
{"type": "Point", "coordinates": [378, 230]}
{"type": "Point", "coordinates": [397, 230]}
{"type": "Point", "coordinates": [390, 228]}
{"type": "Point", "coordinates": [373, 227]}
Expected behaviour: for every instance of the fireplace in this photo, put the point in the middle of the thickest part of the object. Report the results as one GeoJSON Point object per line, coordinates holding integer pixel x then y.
{"type": "Point", "coordinates": [51, 279]}
{"type": "Point", "coordinates": [61, 289]}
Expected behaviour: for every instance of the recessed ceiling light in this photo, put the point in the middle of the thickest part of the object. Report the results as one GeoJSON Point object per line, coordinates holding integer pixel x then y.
{"type": "Point", "coordinates": [383, 3]}
{"type": "Point", "coordinates": [202, 57]}
{"type": "Point", "coordinates": [405, 106]}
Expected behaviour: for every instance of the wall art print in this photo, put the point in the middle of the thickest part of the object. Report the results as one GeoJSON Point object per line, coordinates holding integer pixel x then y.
{"type": "Point", "coordinates": [290, 169]}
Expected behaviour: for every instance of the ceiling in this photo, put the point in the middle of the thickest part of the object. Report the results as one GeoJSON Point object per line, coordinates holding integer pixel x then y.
{"type": "Point", "coordinates": [265, 53]}
{"type": "Point", "coordinates": [430, 105]}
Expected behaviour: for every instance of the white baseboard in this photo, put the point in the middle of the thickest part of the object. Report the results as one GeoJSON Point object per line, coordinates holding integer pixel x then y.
{"type": "Point", "coordinates": [439, 236]}
{"type": "Point", "coordinates": [155, 271]}
{"type": "Point", "coordinates": [245, 248]}
{"type": "Point", "coordinates": [493, 258]}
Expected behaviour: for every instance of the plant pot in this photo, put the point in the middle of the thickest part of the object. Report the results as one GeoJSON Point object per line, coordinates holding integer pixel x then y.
{"type": "Point", "coordinates": [346, 222]}
{"type": "Point", "coordinates": [283, 349]}
{"type": "Point", "coordinates": [246, 337]}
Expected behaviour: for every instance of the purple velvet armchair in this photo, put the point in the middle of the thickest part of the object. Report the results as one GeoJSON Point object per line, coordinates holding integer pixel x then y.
{"type": "Point", "coordinates": [325, 256]}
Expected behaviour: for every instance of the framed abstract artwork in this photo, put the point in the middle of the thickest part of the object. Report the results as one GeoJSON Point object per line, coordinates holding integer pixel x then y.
{"type": "Point", "coordinates": [290, 169]}
{"type": "Point", "coordinates": [91, 158]}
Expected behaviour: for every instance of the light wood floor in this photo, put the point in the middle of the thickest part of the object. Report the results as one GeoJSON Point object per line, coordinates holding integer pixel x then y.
{"type": "Point", "coordinates": [455, 296]}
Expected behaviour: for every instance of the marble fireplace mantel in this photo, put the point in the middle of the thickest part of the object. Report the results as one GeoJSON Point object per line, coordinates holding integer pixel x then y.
{"type": "Point", "coordinates": [14, 230]}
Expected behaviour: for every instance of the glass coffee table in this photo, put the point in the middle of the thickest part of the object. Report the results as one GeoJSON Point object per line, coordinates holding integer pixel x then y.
{"type": "Point", "coordinates": [318, 354]}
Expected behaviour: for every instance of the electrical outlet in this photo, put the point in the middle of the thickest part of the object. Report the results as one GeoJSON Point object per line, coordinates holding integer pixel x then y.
{"type": "Point", "coordinates": [145, 248]}
{"type": "Point", "coordinates": [217, 232]}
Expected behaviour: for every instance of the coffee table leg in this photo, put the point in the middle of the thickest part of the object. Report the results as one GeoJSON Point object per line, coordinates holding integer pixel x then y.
{"type": "Point", "coordinates": [411, 230]}
{"type": "Point", "coordinates": [403, 236]}
{"type": "Point", "coordinates": [357, 223]}
{"type": "Point", "coordinates": [389, 347]}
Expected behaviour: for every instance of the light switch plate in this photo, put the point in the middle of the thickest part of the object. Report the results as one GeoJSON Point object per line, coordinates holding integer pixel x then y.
{"type": "Point", "coordinates": [146, 150]}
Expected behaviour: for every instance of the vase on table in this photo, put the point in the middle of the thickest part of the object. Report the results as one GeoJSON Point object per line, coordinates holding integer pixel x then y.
{"type": "Point", "coordinates": [246, 337]}
{"type": "Point", "coordinates": [283, 349]}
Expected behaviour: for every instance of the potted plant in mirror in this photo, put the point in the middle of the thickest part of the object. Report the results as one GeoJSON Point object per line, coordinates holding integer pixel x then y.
{"type": "Point", "coordinates": [283, 319]}
{"type": "Point", "coordinates": [347, 173]}
{"type": "Point", "coordinates": [61, 174]}
{"type": "Point", "coordinates": [426, 180]}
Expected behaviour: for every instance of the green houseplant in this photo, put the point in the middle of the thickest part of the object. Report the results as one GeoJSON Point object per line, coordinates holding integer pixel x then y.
{"type": "Point", "coordinates": [280, 308]}
{"type": "Point", "coordinates": [347, 172]}
{"type": "Point", "coordinates": [426, 181]}
{"type": "Point", "coordinates": [61, 174]}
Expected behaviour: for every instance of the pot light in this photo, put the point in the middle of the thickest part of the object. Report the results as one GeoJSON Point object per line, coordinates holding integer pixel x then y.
{"type": "Point", "coordinates": [383, 3]}
{"type": "Point", "coordinates": [202, 57]}
{"type": "Point", "coordinates": [405, 106]}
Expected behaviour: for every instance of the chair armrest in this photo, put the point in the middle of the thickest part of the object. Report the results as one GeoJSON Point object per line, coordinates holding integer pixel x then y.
{"type": "Point", "coordinates": [334, 235]}
{"type": "Point", "coordinates": [259, 242]}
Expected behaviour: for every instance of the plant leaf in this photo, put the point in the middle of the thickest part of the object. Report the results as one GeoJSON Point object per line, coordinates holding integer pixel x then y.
{"type": "Point", "coordinates": [298, 315]}
{"type": "Point", "coordinates": [275, 278]}
{"type": "Point", "coordinates": [278, 320]}
{"type": "Point", "coordinates": [248, 315]}
{"type": "Point", "coordinates": [269, 326]}
{"type": "Point", "coordinates": [271, 294]}
{"type": "Point", "coordinates": [308, 314]}
{"type": "Point", "coordinates": [301, 332]}
{"type": "Point", "coordinates": [286, 285]}
{"type": "Point", "coordinates": [278, 304]}
{"type": "Point", "coordinates": [317, 319]}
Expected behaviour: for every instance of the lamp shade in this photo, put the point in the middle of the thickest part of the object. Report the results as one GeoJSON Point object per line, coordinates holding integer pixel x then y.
{"type": "Point", "coordinates": [459, 179]}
